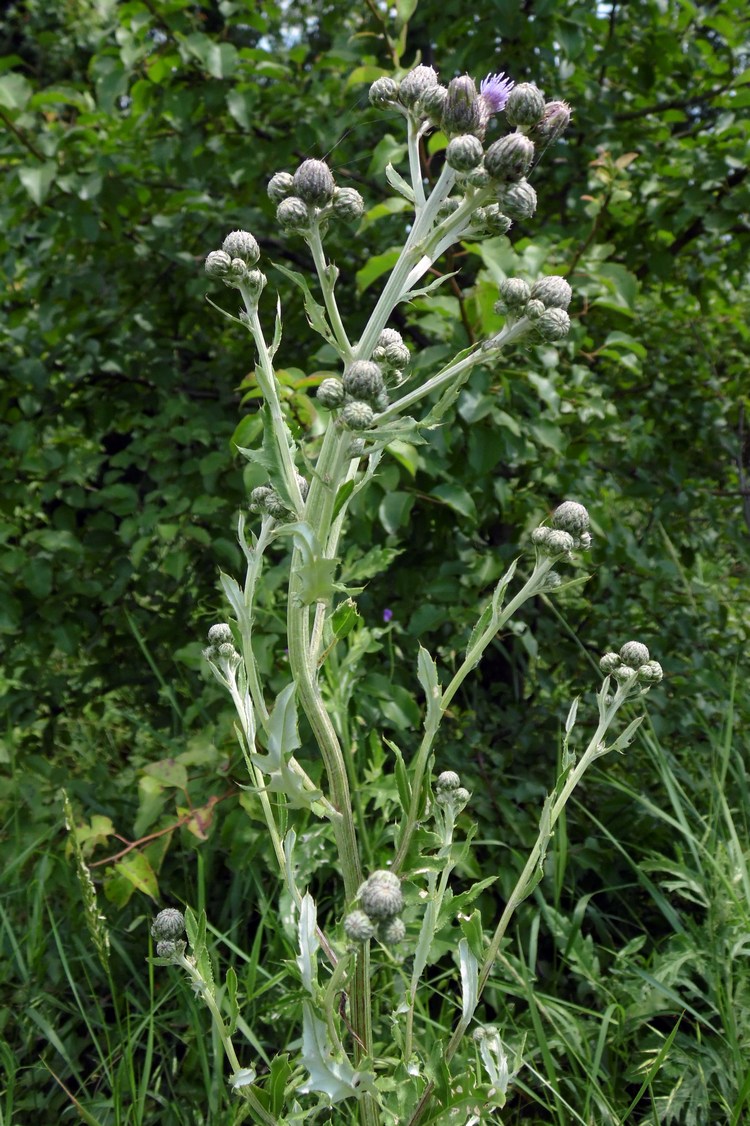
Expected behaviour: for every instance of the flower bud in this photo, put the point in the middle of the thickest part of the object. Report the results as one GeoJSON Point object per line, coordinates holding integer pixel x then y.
{"type": "Point", "coordinates": [357, 415]}
{"type": "Point", "coordinates": [391, 932]}
{"type": "Point", "coordinates": [635, 654]}
{"type": "Point", "coordinates": [554, 291]}
{"type": "Point", "coordinates": [462, 112]}
{"type": "Point", "coordinates": [331, 393]}
{"type": "Point", "coordinates": [650, 673]}
{"type": "Point", "coordinates": [525, 105]}
{"type": "Point", "coordinates": [478, 177]}
{"type": "Point", "coordinates": [610, 662]}
{"type": "Point", "coordinates": [258, 499]}
{"type": "Point", "coordinates": [464, 152]}
{"type": "Point", "coordinates": [558, 542]}
{"type": "Point", "coordinates": [623, 673]}
{"type": "Point", "coordinates": [460, 797]}
{"type": "Point", "coordinates": [396, 355]}
{"type": "Point", "coordinates": [518, 200]}
{"type": "Point", "coordinates": [218, 264]}
{"type": "Point", "coordinates": [241, 244]}
{"type": "Point", "coordinates": [494, 90]}
{"type": "Point", "coordinates": [448, 780]}
{"type": "Point", "coordinates": [363, 380]}
{"type": "Point", "coordinates": [227, 652]}
{"type": "Point", "coordinates": [303, 484]}
{"type": "Point", "coordinates": [314, 183]}
{"type": "Point", "coordinates": [254, 282]}
{"type": "Point", "coordinates": [359, 927]}
{"type": "Point", "coordinates": [510, 158]}
{"type": "Point", "coordinates": [381, 896]}
{"type": "Point", "coordinates": [571, 517]}
{"type": "Point", "coordinates": [166, 949]}
{"type": "Point", "coordinates": [432, 103]}
{"type": "Point", "coordinates": [168, 924]}
{"type": "Point", "coordinates": [514, 292]}
{"type": "Point", "coordinates": [447, 207]}
{"type": "Point", "coordinates": [491, 220]}
{"type": "Point", "coordinates": [347, 204]}
{"type": "Point", "coordinates": [540, 535]}
{"type": "Point", "coordinates": [553, 324]}
{"type": "Point", "coordinates": [554, 122]}
{"type": "Point", "coordinates": [533, 310]}
{"type": "Point", "coordinates": [219, 633]}
{"type": "Point", "coordinates": [383, 92]}
{"type": "Point", "coordinates": [292, 214]}
{"type": "Point", "coordinates": [584, 541]}
{"type": "Point", "coordinates": [414, 85]}
{"type": "Point", "coordinates": [280, 186]}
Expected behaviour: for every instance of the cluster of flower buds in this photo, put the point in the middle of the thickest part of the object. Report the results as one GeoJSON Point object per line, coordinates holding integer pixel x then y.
{"type": "Point", "coordinates": [235, 261]}
{"type": "Point", "coordinates": [268, 500]}
{"type": "Point", "coordinates": [568, 532]}
{"type": "Point", "coordinates": [382, 902]}
{"type": "Point", "coordinates": [363, 389]}
{"type": "Point", "coordinates": [310, 196]}
{"type": "Point", "coordinates": [545, 304]}
{"type": "Point", "coordinates": [632, 665]}
{"type": "Point", "coordinates": [221, 650]}
{"type": "Point", "coordinates": [450, 792]}
{"type": "Point", "coordinates": [463, 113]}
{"type": "Point", "coordinates": [168, 928]}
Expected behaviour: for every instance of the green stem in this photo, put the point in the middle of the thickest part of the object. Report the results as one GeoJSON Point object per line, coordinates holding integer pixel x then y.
{"type": "Point", "coordinates": [415, 167]}
{"type": "Point", "coordinates": [593, 751]}
{"type": "Point", "coordinates": [268, 386]}
{"type": "Point", "coordinates": [324, 271]}
{"type": "Point", "coordinates": [410, 255]}
{"type": "Point", "coordinates": [472, 659]}
{"type": "Point", "coordinates": [207, 996]}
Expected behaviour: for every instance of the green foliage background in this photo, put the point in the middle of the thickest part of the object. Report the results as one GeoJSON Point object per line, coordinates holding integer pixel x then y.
{"type": "Point", "coordinates": [135, 136]}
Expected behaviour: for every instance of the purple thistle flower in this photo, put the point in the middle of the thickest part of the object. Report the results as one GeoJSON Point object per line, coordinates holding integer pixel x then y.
{"type": "Point", "coordinates": [495, 89]}
{"type": "Point", "coordinates": [387, 614]}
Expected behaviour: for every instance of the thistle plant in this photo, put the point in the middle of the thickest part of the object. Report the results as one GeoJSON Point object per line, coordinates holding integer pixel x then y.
{"type": "Point", "coordinates": [375, 1066]}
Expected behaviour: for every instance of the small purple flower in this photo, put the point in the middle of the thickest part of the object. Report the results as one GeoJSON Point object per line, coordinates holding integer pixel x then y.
{"type": "Point", "coordinates": [495, 89]}
{"type": "Point", "coordinates": [387, 614]}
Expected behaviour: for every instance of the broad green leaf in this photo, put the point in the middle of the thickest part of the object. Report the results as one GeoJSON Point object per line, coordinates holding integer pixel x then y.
{"type": "Point", "coordinates": [38, 179]}
{"type": "Point", "coordinates": [168, 772]}
{"type": "Point", "coordinates": [136, 869]}
{"type": "Point", "coordinates": [15, 91]}
{"type": "Point", "coordinates": [375, 266]}
{"type": "Point", "coordinates": [457, 498]}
